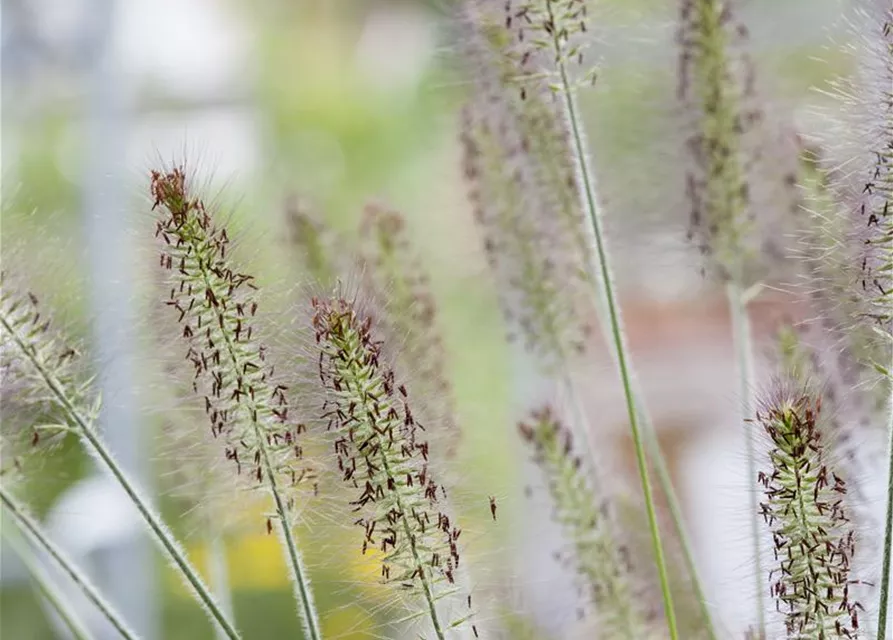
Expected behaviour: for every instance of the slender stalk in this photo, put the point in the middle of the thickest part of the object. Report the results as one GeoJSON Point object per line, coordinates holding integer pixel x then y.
{"type": "Point", "coordinates": [36, 534]}
{"type": "Point", "coordinates": [744, 356]}
{"type": "Point", "coordinates": [666, 483]}
{"type": "Point", "coordinates": [884, 603]}
{"type": "Point", "coordinates": [663, 474]}
{"type": "Point", "coordinates": [45, 585]}
{"type": "Point", "coordinates": [218, 576]}
{"type": "Point", "coordinates": [157, 528]}
{"type": "Point", "coordinates": [617, 337]}
{"type": "Point", "coordinates": [301, 584]}
{"type": "Point", "coordinates": [169, 544]}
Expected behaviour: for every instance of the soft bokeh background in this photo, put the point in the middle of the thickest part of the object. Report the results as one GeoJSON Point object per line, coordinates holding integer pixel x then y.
{"type": "Point", "coordinates": [340, 102]}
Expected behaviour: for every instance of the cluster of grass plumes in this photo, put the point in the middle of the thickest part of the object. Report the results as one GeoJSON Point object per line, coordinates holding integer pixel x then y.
{"type": "Point", "coordinates": [367, 373]}
{"type": "Point", "coordinates": [596, 550]}
{"type": "Point", "coordinates": [814, 540]}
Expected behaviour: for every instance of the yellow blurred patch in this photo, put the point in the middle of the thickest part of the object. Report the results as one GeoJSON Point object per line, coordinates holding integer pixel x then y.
{"type": "Point", "coordinates": [254, 562]}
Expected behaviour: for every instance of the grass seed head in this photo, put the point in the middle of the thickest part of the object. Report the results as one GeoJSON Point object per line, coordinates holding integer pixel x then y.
{"type": "Point", "coordinates": [381, 453]}
{"type": "Point", "coordinates": [805, 511]}
{"type": "Point", "coordinates": [597, 555]}
{"type": "Point", "coordinates": [215, 307]}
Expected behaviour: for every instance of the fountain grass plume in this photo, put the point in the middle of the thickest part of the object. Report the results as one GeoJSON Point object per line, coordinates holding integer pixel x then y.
{"type": "Point", "coordinates": [378, 441]}
{"type": "Point", "coordinates": [863, 189]}
{"type": "Point", "coordinates": [875, 212]}
{"type": "Point", "coordinates": [24, 442]}
{"type": "Point", "coordinates": [32, 354]}
{"type": "Point", "coordinates": [717, 86]}
{"type": "Point", "coordinates": [805, 511]}
{"type": "Point", "coordinates": [598, 556]}
{"type": "Point", "coordinates": [397, 272]}
{"type": "Point", "coordinates": [247, 409]}
{"type": "Point", "coordinates": [840, 349]}
{"type": "Point", "coordinates": [34, 351]}
{"type": "Point", "coordinates": [547, 48]}
{"type": "Point", "coordinates": [523, 187]}
{"type": "Point", "coordinates": [319, 249]}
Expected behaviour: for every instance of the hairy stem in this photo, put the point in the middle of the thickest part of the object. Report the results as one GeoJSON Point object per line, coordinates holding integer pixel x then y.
{"type": "Point", "coordinates": [157, 528]}
{"type": "Point", "coordinates": [589, 202]}
{"type": "Point", "coordinates": [218, 576]}
{"type": "Point", "coordinates": [744, 356]}
{"type": "Point", "coordinates": [45, 585]}
{"type": "Point", "coordinates": [663, 475]}
{"type": "Point", "coordinates": [884, 603]}
{"type": "Point", "coordinates": [36, 534]}
{"type": "Point", "coordinates": [302, 585]}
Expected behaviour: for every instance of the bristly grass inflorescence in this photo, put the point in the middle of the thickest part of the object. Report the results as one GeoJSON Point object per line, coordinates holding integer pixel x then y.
{"type": "Point", "coordinates": [247, 408]}
{"type": "Point", "coordinates": [523, 187]}
{"type": "Point", "coordinates": [34, 354]}
{"type": "Point", "coordinates": [36, 363]}
{"type": "Point", "coordinates": [317, 246]}
{"type": "Point", "coordinates": [597, 553]}
{"type": "Point", "coordinates": [398, 273]}
{"type": "Point", "coordinates": [875, 206]}
{"type": "Point", "coordinates": [805, 510]}
{"type": "Point", "coordinates": [716, 84]}
{"type": "Point", "coordinates": [399, 505]}
{"type": "Point", "coordinates": [216, 306]}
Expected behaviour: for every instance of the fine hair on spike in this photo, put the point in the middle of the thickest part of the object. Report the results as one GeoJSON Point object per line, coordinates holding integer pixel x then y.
{"type": "Point", "coordinates": [597, 554]}
{"type": "Point", "coordinates": [412, 313]}
{"type": "Point", "coordinates": [247, 409]}
{"type": "Point", "coordinates": [717, 84]}
{"type": "Point", "coordinates": [318, 248]}
{"type": "Point", "coordinates": [805, 511]}
{"type": "Point", "coordinates": [382, 455]}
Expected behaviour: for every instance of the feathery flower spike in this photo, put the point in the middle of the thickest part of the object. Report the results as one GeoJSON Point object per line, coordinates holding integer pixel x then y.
{"type": "Point", "coordinates": [523, 186]}
{"type": "Point", "coordinates": [412, 314]}
{"type": "Point", "coordinates": [381, 453]}
{"type": "Point", "coordinates": [599, 559]}
{"type": "Point", "coordinates": [43, 371]}
{"type": "Point", "coordinates": [805, 511]}
{"type": "Point", "coordinates": [247, 410]}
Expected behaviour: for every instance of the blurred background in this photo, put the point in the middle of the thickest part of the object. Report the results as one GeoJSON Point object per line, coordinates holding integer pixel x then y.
{"type": "Point", "coordinates": [339, 102]}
